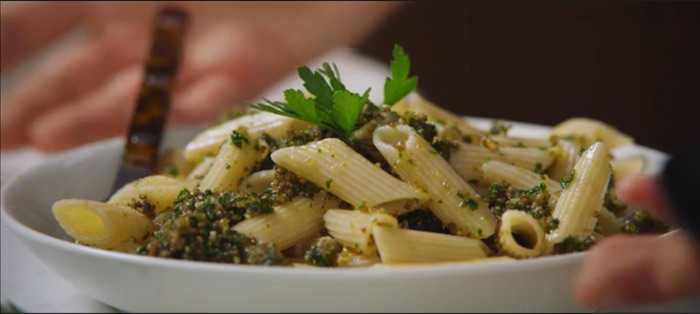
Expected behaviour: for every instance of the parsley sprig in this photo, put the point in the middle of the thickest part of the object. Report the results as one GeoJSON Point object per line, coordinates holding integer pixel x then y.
{"type": "Point", "coordinates": [333, 106]}
{"type": "Point", "coordinates": [400, 84]}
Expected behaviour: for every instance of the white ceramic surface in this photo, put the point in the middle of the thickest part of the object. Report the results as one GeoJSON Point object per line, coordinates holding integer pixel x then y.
{"type": "Point", "coordinates": [136, 283]}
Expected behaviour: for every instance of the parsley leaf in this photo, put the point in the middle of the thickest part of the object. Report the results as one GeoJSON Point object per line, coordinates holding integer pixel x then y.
{"type": "Point", "coordinates": [347, 107]}
{"type": "Point", "coordinates": [302, 106]}
{"type": "Point", "coordinates": [333, 106]}
{"type": "Point", "coordinates": [399, 85]}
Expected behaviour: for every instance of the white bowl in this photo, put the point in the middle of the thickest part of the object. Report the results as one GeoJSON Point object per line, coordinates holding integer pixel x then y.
{"type": "Point", "coordinates": [138, 283]}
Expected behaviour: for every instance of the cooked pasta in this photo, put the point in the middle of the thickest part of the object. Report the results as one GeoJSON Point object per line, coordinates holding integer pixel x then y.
{"type": "Point", "coordinates": [337, 168]}
{"type": "Point", "coordinates": [452, 200]}
{"type": "Point", "coordinates": [232, 164]}
{"type": "Point", "coordinates": [353, 228]}
{"type": "Point", "coordinates": [520, 235]}
{"type": "Point", "coordinates": [102, 225]}
{"type": "Point", "coordinates": [323, 177]}
{"type": "Point", "coordinates": [566, 156]}
{"type": "Point", "coordinates": [582, 199]}
{"type": "Point", "coordinates": [256, 123]}
{"type": "Point", "coordinates": [400, 246]}
{"type": "Point", "coordinates": [156, 191]}
{"type": "Point", "coordinates": [590, 131]}
{"type": "Point", "coordinates": [289, 223]}
{"type": "Point", "coordinates": [468, 158]}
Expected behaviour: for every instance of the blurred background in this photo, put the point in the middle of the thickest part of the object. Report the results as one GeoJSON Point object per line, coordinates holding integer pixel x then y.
{"type": "Point", "coordinates": [634, 64]}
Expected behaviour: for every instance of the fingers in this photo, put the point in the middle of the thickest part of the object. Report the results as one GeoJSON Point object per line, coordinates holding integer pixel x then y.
{"type": "Point", "coordinates": [645, 192]}
{"type": "Point", "coordinates": [27, 27]}
{"type": "Point", "coordinates": [64, 79]}
{"type": "Point", "coordinates": [203, 99]}
{"type": "Point", "coordinates": [626, 270]}
{"type": "Point", "coordinates": [103, 113]}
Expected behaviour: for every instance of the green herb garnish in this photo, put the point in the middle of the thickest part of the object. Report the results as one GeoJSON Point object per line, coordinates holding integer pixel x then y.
{"type": "Point", "coordinates": [9, 308]}
{"type": "Point", "coordinates": [467, 202]}
{"type": "Point", "coordinates": [238, 138]}
{"type": "Point", "coordinates": [567, 179]}
{"type": "Point", "coordinates": [333, 107]}
{"type": "Point", "coordinates": [400, 84]}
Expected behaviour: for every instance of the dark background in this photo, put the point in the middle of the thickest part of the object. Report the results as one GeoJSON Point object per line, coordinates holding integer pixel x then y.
{"type": "Point", "coordinates": [633, 64]}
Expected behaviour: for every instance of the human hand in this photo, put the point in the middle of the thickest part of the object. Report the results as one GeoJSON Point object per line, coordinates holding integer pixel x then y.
{"type": "Point", "coordinates": [626, 270]}
{"type": "Point", "coordinates": [86, 92]}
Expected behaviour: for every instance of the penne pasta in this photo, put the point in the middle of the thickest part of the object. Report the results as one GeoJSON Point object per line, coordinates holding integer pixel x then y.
{"type": "Point", "coordinates": [348, 258]}
{"type": "Point", "coordinates": [210, 140]}
{"type": "Point", "coordinates": [443, 118]}
{"type": "Point", "coordinates": [232, 164]}
{"type": "Point", "coordinates": [159, 191]}
{"type": "Point", "coordinates": [520, 235]}
{"type": "Point", "coordinates": [581, 201]}
{"type": "Point", "coordinates": [566, 156]}
{"type": "Point", "coordinates": [257, 182]}
{"type": "Point", "coordinates": [468, 158]}
{"type": "Point", "coordinates": [353, 228]}
{"type": "Point", "coordinates": [201, 169]}
{"type": "Point", "coordinates": [102, 225]}
{"type": "Point", "coordinates": [401, 246]}
{"type": "Point", "coordinates": [453, 201]}
{"type": "Point", "coordinates": [608, 223]}
{"type": "Point", "coordinates": [521, 141]}
{"type": "Point", "coordinates": [591, 131]}
{"type": "Point", "coordinates": [498, 171]}
{"type": "Point", "coordinates": [289, 223]}
{"type": "Point", "coordinates": [335, 167]}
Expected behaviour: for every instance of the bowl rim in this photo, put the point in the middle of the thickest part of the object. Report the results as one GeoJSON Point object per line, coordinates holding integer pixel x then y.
{"type": "Point", "coordinates": [27, 233]}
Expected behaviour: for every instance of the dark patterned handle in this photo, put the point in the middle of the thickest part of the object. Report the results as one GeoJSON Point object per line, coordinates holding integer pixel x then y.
{"type": "Point", "coordinates": [145, 133]}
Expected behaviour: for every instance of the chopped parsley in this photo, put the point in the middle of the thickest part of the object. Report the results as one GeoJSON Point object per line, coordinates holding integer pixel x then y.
{"type": "Point", "coordinates": [324, 252]}
{"type": "Point", "coordinates": [328, 184]}
{"type": "Point", "coordinates": [499, 128]}
{"type": "Point", "coordinates": [239, 138]}
{"type": "Point", "coordinates": [567, 179]}
{"type": "Point", "coordinates": [200, 228]}
{"type": "Point", "coordinates": [467, 202]}
{"type": "Point", "coordinates": [574, 244]}
{"type": "Point", "coordinates": [445, 148]}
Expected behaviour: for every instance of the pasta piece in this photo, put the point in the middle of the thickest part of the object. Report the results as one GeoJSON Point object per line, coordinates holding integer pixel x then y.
{"type": "Point", "coordinates": [201, 169]}
{"type": "Point", "coordinates": [289, 223]}
{"type": "Point", "coordinates": [591, 131]}
{"type": "Point", "coordinates": [519, 178]}
{"type": "Point", "coordinates": [335, 167]}
{"type": "Point", "coordinates": [159, 191]}
{"type": "Point", "coordinates": [209, 141]}
{"type": "Point", "coordinates": [348, 258]}
{"type": "Point", "coordinates": [521, 141]}
{"type": "Point", "coordinates": [608, 224]}
{"type": "Point", "coordinates": [401, 246]}
{"type": "Point", "coordinates": [102, 225]}
{"type": "Point", "coordinates": [232, 164]}
{"type": "Point", "coordinates": [257, 182]}
{"type": "Point", "coordinates": [353, 228]}
{"type": "Point", "coordinates": [452, 200]}
{"type": "Point", "coordinates": [468, 158]}
{"type": "Point", "coordinates": [443, 118]}
{"type": "Point", "coordinates": [582, 200]}
{"type": "Point", "coordinates": [628, 166]}
{"type": "Point", "coordinates": [566, 156]}
{"type": "Point", "coordinates": [520, 235]}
